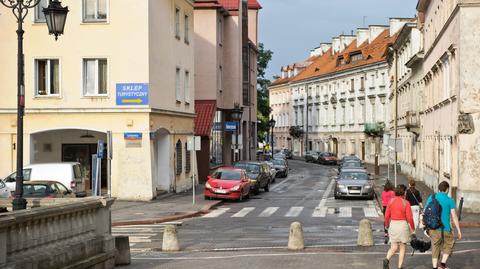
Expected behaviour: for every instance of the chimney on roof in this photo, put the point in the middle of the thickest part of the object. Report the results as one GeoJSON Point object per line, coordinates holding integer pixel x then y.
{"type": "Point", "coordinates": [375, 31]}
{"type": "Point", "coordinates": [345, 41]}
{"type": "Point", "coordinates": [316, 52]}
{"type": "Point", "coordinates": [396, 24]}
{"type": "Point", "coordinates": [335, 45]}
{"type": "Point", "coordinates": [363, 35]}
{"type": "Point", "coordinates": [325, 47]}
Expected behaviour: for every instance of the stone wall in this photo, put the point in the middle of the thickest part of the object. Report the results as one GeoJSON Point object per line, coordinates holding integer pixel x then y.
{"type": "Point", "coordinates": [67, 235]}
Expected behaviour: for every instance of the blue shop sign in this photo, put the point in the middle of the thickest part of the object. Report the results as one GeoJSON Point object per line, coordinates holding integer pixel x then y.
{"type": "Point", "coordinates": [132, 136]}
{"type": "Point", "coordinates": [130, 94]}
{"type": "Point", "coordinates": [230, 126]}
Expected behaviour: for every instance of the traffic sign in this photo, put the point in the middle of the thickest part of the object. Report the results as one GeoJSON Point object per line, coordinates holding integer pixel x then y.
{"type": "Point", "coordinates": [100, 149]}
{"type": "Point", "coordinates": [230, 126]}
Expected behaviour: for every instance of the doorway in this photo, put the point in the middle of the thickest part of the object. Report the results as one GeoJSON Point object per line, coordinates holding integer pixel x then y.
{"type": "Point", "coordinates": [82, 153]}
{"type": "Point", "coordinates": [363, 150]}
{"type": "Point", "coordinates": [164, 175]}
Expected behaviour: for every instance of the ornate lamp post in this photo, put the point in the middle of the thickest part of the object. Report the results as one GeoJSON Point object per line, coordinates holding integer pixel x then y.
{"type": "Point", "coordinates": [55, 16]}
{"type": "Point", "coordinates": [237, 113]}
{"type": "Point", "coordinates": [272, 124]}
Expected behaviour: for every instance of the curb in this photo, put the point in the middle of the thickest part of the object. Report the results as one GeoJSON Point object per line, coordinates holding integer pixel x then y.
{"type": "Point", "coordinates": [470, 224]}
{"type": "Point", "coordinates": [203, 210]}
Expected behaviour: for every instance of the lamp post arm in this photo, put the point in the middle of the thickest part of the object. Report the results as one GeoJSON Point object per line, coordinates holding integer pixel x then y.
{"type": "Point", "coordinates": [20, 7]}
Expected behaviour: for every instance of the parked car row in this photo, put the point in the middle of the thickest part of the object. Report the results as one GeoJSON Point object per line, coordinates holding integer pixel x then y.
{"type": "Point", "coordinates": [321, 157]}
{"type": "Point", "coordinates": [47, 180]}
{"type": "Point", "coordinates": [244, 178]}
{"type": "Point", "coordinates": [353, 179]}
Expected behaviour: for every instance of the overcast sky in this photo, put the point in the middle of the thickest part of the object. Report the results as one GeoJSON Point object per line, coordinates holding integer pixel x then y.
{"type": "Point", "coordinates": [291, 28]}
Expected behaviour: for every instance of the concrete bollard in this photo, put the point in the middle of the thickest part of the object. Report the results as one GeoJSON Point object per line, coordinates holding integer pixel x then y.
{"type": "Point", "coordinates": [295, 238]}
{"type": "Point", "coordinates": [170, 240]}
{"type": "Point", "coordinates": [122, 250]}
{"type": "Point", "coordinates": [365, 234]}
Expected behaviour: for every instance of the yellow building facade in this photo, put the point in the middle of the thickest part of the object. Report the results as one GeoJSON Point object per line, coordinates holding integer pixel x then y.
{"type": "Point", "coordinates": [122, 67]}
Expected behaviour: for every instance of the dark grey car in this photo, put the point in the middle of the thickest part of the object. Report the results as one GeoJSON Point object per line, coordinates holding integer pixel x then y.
{"type": "Point", "coordinates": [354, 183]}
{"type": "Point", "coordinates": [259, 174]}
{"type": "Point", "coordinates": [281, 166]}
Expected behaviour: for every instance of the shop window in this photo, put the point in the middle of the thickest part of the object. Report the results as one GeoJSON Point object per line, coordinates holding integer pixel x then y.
{"type": "Point", "coordinates": [178, 149]}
{"type": "Point", "coordinates": [188, 157]}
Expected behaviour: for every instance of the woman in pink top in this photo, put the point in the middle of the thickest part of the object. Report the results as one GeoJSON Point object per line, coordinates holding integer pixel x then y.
{"type": "Point", "coordinates": [387, 195]}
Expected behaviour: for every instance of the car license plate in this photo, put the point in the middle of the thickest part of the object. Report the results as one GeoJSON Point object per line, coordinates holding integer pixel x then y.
{"type": "Point", "coordinates": [355, 191]}
{"type": "Point", "coordinates": [220, 191]}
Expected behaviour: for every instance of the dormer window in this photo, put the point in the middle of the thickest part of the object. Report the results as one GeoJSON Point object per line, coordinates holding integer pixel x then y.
{"type": "Point", "coordinates": [356, 56]}
{"type": "Point", "coordinates": [341, 61]}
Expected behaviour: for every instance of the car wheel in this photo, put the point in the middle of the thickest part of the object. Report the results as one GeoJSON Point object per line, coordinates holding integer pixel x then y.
{"type": "Point", "coordinates": [336, 196]}
{"type": "Point", "coordinates": [267, 187]}
{"type": "Point", "coordinates": [273, 179]}
{"type": "Point", "coordinates": [256, 191]}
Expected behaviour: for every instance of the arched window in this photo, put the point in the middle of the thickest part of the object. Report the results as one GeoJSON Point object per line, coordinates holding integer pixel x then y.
{"type": "Point", "coordinates": [187, 160]}
{"type": "Point", "coordinates": [178, 149]}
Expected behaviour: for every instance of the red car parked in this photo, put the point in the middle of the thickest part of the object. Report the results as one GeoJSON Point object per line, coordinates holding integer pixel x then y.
{"type": "Point", "coordinates": [228, 183]}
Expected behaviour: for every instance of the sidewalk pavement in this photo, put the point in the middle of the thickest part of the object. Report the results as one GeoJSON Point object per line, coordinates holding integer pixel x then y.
{"type": "Point", "coordinates": [167, 208]}
{"type": "Point", "coordinates": [469, 220]}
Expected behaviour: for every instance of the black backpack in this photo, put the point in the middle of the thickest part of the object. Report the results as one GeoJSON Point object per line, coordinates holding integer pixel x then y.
{"type": "Point", "coordinates": [432, 216]}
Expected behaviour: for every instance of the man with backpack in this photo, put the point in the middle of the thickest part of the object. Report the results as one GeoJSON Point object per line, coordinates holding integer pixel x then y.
{"type": "Point", "coordinates": [439, 212]}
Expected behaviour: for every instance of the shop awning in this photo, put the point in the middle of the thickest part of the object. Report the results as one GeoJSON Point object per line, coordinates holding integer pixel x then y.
{"type": "Point", "coordinates": [205, 113]}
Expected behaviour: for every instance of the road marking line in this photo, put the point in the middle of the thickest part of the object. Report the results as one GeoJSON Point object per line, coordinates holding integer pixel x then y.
{"type": "Point", "coordinates": [268, 212]}
{"type": "Point", "coordinates": [217, 212]}
{"type": "Point", "coordinates": [294, 211]}
{"type": "Point", "coordinates": [370, 212]}
{"type": "Point", "coordinates": [326, 194]}
{"type": "Point", "coordinates": [320, 212]}
{"type": "Point", "coordinates": [139, 239]}
{"type": "Point", "coordinates": [130, 234]}
{"type": "Point", "coordinates": [242, 213]}
{"type": "Point", "coordinates": [345, 212]}
{"type": "Point", "coordinates": [331, 211]}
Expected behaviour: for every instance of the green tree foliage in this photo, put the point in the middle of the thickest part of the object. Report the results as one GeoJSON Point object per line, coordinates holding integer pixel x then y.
{"type": "Point", "coordinates": [263, 105]}
{"type": "Point", "coordinates": [296, 132]}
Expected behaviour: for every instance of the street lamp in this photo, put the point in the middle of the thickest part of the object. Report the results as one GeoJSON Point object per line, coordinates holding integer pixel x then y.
{"type": "Point", "coordinates": [272, 124]}
{"type": "Point", "coordinates": [55, 16]}
{"type": "Point", "coordinates": [236, 114]}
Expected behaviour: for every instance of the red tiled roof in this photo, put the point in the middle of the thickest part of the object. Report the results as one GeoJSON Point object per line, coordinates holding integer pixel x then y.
{"type": "Point", "coordinates": [373, 52]}
{"type": "Point", "coordinates": [205, 112]}
{"type": "Point", "coordinates": [233, 4]}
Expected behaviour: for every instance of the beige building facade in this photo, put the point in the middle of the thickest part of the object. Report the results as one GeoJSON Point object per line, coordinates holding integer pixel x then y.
{"type": "Point", "coordinates": [451, 107]}
{"type": "Point", "coordinates": [120, 67]}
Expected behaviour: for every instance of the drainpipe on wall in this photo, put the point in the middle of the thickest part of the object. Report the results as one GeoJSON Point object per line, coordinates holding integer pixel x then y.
{"type": "Point", "coordinates": [395, 53]}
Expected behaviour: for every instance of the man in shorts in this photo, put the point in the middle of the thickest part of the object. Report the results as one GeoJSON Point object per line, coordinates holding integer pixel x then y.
{"type": "Point", "coordinates": [443, 239]}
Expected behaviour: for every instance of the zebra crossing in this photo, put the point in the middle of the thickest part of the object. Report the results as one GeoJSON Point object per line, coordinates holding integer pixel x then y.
{"type": "Point", "coordinates": [295, 211]}
{"type": "Point", "coordinates": [139, 234]}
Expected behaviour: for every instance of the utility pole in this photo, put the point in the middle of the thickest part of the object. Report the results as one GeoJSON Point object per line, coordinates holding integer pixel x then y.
{"type": "Point", "coordinates": [306, 122]}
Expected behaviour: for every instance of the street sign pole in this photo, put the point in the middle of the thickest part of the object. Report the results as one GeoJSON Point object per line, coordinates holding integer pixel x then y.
{"type": "Point", "coordinates": [194, 144]}
{"type": "Point", "coordinates": [109, 163]}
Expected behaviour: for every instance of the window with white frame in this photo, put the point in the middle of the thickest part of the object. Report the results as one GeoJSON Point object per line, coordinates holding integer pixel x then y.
{"type": "Point", "coordinates": [94, 10]}
{"type": "Point", "coordinates": [187, 29]}
{"type": "Point", "coordinates": [47, 77]}
{"type": "Point", "coordinates": [39, 16]}
{"type": "Point", "coordinates": [177, 23]}
{"type": "Point", "coordinates": [187, 87]}
{"type": "Point", "coordinates": [178, 93]}
{"type": "Point", "coordinates": [95, 77]}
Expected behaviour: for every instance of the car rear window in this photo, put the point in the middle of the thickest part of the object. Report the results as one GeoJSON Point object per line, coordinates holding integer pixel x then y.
{"type": "Point", "coordinates": [249, 167]}
{"type": "Point", "coordinates": [226, 175]}
{"type": "Point", "coordinates": [279, 162]}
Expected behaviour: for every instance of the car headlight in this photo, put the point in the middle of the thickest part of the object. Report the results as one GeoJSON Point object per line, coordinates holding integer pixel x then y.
{"type": "Point", "coordinates": [207, 185]}
{"type": "Point", "coordinates": [341, 186]}
{"type": "Point", "coordinates": [253, 181]}
{"type": "Point", "coordinates": [236, 188]}
{"type": "Point", "coordinates": [368, 187]}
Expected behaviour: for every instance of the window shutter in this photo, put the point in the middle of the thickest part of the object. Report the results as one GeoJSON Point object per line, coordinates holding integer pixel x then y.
{"type": "Point", "coordinates": [179, 157]}
{"type": "Point", "coordinates": [188, 167]}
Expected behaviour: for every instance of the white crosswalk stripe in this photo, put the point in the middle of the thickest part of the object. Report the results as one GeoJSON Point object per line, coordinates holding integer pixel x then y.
{"type": "Point", "coordinates": [217, 212]}
{"type": "Point", "coordinates": [294, 211]}
{"type": "Point", "coordinates": [320, 212]}
{"type": "Point", "coordinates": [345, 212]}
{"type": "Point", "coordinates": [140, 233]}
{"type": "Point", "coordinates": [370, 212]}
{"type": "Point", "coordinates": [242, 213]}
{"type": "Point", "coordinates": [268, 212]}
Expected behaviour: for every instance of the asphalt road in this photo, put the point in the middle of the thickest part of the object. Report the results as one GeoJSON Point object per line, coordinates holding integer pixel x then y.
{"type": "Point", "coordinates": [254, 233]}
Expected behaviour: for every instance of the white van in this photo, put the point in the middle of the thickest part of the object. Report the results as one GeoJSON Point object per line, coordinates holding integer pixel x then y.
{"type": "Point", "coordinates": [68, 173]}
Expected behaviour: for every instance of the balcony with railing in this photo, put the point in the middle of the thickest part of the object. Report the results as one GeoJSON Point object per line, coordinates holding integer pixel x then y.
{"type": "Point", "coordinates": [374, 129]}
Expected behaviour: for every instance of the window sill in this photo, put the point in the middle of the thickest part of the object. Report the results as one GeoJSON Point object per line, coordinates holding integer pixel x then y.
{"type": "Point", "coordinates": [100, 96]}
{"type": "Point", "coordinates": [93, 22]}
{"type": "Point", "coordinates": [56, 96]}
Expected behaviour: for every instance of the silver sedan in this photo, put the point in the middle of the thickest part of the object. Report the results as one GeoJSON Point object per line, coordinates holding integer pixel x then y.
{"type": "Point", "coordinates": [354, 183]}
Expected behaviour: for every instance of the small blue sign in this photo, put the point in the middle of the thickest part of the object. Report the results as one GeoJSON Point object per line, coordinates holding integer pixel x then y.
{"type": "Point", "coordinates": [132, 136]}
{"type": "Point", "coordinates": [230, 126]}
{"type": "Point", "coordinates": [100, 149]}
{"type": "Point", "coordinates": [132, 94]}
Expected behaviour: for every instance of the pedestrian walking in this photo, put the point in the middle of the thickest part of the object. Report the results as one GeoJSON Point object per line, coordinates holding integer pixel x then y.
{"type": "Point", "coordinates": [400, 225]}
{"type": "Point", "coordinates": [414, 197]}
{"type": "Point", "coordinates": [387, 195]}
{"type": "Point", "coordinates": [439, 213]}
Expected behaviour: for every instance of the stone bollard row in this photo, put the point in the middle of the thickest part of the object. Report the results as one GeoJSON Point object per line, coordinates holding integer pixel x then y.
{"type": "Point", "coordinates": [365, 234]}
{"type": "Point", "coordinates": [295, 238]}
{"type": "Point", "coordinates": [170, 239]}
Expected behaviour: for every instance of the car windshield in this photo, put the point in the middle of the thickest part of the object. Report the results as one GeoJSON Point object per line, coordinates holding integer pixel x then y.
{"type": "Point", "coordinates": [354, 176]}
{"type": "Point", "coordinates": [352, 164]}
{"type": "Point", "coordinates": [226, 175]}
{"type": "Point", "coordinates": [279, 162]}
{"type": "Point", "coordinates": [249, 167]}
{"type": "Point", "coordinates": [326, 154]}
